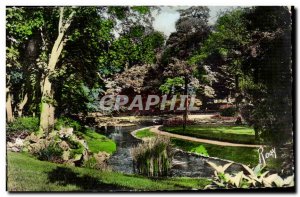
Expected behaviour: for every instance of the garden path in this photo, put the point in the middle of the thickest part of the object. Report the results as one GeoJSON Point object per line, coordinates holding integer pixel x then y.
{"type": "Point", "coordinates": [155, 129]}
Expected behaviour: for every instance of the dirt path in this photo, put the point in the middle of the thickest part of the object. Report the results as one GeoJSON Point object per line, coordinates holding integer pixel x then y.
{"type": "Point", "coordinates": [155, 129]}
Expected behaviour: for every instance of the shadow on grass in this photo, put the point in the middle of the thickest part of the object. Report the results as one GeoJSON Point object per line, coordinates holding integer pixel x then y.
{"type": "Point", "coordinates": [65, 176]}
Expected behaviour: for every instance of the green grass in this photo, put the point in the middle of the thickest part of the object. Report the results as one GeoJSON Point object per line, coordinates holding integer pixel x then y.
{"type": "Point", "coordinates": [238, 154]}
{"type": "Point", "coordinates": [245, 155]}
{"type": "Point", "coordinates": [236, 134]}
{"type": "Point", "coordinates": [144, 133]}
{"type": "Point", "coordinates": [97, 142]}
{"type": "Point", "coordinates": [25, 173]}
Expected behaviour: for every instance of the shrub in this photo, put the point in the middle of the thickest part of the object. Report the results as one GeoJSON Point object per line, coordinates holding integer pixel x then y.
{"type": "Point", "coordinates": [64, 122]}
{"type": "Point", "coordinates": [200, 150]}
{"type": "Point", "coordinates": [52, 153]}
{"type": "Point", "coordinates": [229, 112]}
{"type": "Point", "coordinates": [153, 157]}
{"type": "Point", "coordinates": [76, 148]}
{"type": "Point", "coordinates": [23, 124]}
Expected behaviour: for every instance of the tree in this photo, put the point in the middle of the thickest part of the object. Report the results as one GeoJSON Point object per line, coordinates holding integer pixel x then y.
{"type": "Point", "coordinates": [222, 52]}
{"type": "Point", "coordinates": [179, 71]}
{"type": "Point", "coordinates": [47, 108]}
{"type": "Point", "coordinates": [191, 31]}
{"type": "Point", "coordinates": [268, 85]}
{"type": "Point", "coordinates": [21, 51]}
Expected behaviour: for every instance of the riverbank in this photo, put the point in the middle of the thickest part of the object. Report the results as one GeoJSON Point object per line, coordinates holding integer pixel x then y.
{"type": "Point", "coordinates": [244, 155]}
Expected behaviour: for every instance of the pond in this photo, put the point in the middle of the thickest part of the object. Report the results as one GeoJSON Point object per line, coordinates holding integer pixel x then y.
{"type": "Point", "coordinates": [184, 164]}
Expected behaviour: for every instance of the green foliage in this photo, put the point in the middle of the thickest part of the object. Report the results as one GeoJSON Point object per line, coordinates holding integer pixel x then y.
{"type": "Point", "coordinates": [141, 9]}
{"type": "Point", "coordinates": [18, 24]}
{"type": "Point", "coordinates": [65, 122]}
{"type": "Point", "coordinates": [200, 150]}
{"type": "Point", "coordinates": [118, 11]}
{"type": "Point", "coordinates": [28, 124]}
{"type": "Point", "coordinates": [228, 112]}
{"type": "Point", "coordinates": [170, 84]}
{"type": "Point", "coordinates": [255, 177]}
{"type": "Point", "coordinates": [268, 71]}
{"type": "Point", "coordinates": [52, 153]}
{"type": "Point", "coordinates": [76, 148]}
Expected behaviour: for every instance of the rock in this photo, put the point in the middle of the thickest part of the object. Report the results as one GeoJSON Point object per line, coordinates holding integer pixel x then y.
{"type": "Point", "coordinates": [66, 155]}
{"type": "Point", "coordinates": [70, 162]}
{"type": "Point", "coordinates": [86, 155]}
{"type": "Point", "coordinates": [65, 132]}
{"type": "Point", "coordinates": [37, 147]}
{"type": "Point", "coordinates": [19, 142]}
{"type": "Point", "coordinates": [101, 157]}
{"type": "Point", "coordinates": [15, 149]}
{"type": "Point", "coordinates": [64, 145]}
{"type": "Point", "coordinates": [9, 144]}
{"type": "Point", "coordinates": [33, 138]}
{"type": "Point", "coordinates": [99, 114]}
{"type": "Point", "coordinates": [77, 157]}
{"type": "Point", "coordinates": [16, 146]}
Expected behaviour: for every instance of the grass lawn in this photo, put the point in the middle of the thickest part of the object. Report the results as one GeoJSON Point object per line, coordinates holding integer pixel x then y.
{"type": "Point", "coordinates": [236, 134]}
{"type": "Point", "coordinates": [238, 154]}
{"type": "Point", "coordinates": [144, 133]}
{"type": "Point", "coordinates": [97, 142]}
{"type": "Point", "coordinates": [25, 173]}
{"type": "Point", "coordinates": [245, 155]}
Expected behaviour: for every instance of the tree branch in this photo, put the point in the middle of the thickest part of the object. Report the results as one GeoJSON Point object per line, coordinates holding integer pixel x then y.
{"type": "Point", "coordinates": [68, 21]}
{"type": "Point", "coordinates": [61, 15]}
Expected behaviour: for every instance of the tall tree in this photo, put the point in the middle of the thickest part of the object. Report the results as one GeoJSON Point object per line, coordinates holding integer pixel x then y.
{"type": "Point", "coordinates": [21, 51]}
{"type": "Point", "coordinates": [47, 108]}
{"type": "Point", "coordinates": [191, 30]}
{"type": "Point", "coordinates": [222, 53]}
{"type": "Point", "coordinates": [268, 70]}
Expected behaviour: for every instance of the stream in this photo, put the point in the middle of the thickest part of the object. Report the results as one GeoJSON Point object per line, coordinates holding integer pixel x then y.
{"type": "Point", "coordinates": [184, 164]}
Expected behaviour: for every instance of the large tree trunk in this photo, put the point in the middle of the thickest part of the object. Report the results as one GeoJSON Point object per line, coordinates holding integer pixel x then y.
{"type": "Point", "coordinates": [21, 105]}
{"type": "Point", "coordinates": [47, 108]}
{"type": "Point", "coordinates": [9, 111]}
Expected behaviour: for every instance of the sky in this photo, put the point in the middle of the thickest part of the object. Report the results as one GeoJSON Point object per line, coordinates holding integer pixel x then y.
{"type": "Point", "coordinates": [166, 18]}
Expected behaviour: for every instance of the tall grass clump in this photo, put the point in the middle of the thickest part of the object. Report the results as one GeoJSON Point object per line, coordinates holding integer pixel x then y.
{"type": "Point", "coordinates": [153, 157]}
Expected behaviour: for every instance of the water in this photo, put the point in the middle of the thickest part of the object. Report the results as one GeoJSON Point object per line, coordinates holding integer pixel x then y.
{"type": "Point", "coordinates": [184, 164]}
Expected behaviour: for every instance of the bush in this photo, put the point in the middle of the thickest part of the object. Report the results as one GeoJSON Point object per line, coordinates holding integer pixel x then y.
{"type": "Point", "coordinates": [64, 122]}
{"type": "Point", "coordinates": [51, 153]}
{"type": "Point", "coordinates": [23, 124]}
{"type": "Point", "coordinates": [229, 112]}
{"type": "Point", "coordinates": [76, 148]}
{"type": "Point", "coordinates": [200, 150]}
